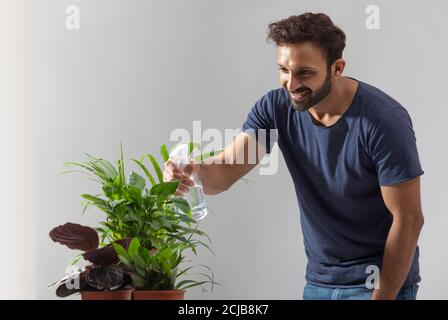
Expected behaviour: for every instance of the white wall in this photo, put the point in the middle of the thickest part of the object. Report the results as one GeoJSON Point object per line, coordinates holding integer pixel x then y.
{"type": "Point", "coordinates": [113, 80]}
{"type": "Point", "coordinates": [17, 141]}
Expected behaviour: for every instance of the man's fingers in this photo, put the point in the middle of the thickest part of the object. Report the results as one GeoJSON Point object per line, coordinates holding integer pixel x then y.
{"type": "Point", "coordinates": [189, 169]}
{"type": "Point", "coordinates": [183, 188]}
{"type": "Point", "coordinates": [167, 177]}
{"type": "Point", "coordinates": [183, 180]}
{"type": "Point", "coordinates": [169, 163]}
{"type": "Point", "coordinates": [173, 172]}
{"type": "Point", "coordinates": [172, 167]}
{"type": "Point", "coordinates": [178, 194]}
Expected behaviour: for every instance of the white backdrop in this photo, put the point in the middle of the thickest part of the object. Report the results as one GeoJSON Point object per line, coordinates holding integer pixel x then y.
{"type": "Point", "coordinates": [113, 81]}
{"type": "Point", "coordinates": [18, 155]}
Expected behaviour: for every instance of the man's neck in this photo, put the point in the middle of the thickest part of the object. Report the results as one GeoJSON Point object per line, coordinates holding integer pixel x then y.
{"type": "Point", "coordinates": [336, 102]}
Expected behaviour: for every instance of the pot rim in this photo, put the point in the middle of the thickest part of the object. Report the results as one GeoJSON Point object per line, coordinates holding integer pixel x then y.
{"type": "Point", "coordinates": [173, 290]}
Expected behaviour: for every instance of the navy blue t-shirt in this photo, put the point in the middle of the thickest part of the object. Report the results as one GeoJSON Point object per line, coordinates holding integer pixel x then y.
{"type": "Point", "coordinates": [337, 173]}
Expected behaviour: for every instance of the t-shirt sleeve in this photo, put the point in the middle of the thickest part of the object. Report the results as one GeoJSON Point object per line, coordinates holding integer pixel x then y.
{"type": "Point", "coordinates": [260, 122]}
{"type": "Point", "coordinates": [393, 149]}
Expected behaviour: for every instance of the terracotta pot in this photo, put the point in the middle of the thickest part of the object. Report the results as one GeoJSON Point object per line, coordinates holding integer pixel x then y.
{"type": "Point", "coordinates": [158, 294]}
{"type": "Point", "coordinates": [107, 295]}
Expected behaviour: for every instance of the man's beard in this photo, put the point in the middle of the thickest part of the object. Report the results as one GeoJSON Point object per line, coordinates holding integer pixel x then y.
{"type": "Point", "coordinates": [312, 99]}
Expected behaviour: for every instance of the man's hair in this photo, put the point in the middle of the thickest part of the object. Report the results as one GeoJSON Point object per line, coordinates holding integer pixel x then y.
{"type": "Point", "coordinates": [309, 27]}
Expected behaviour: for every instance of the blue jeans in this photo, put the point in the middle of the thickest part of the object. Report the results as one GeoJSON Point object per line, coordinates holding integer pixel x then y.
{"type": "Point", "coordinates": [313, 292]}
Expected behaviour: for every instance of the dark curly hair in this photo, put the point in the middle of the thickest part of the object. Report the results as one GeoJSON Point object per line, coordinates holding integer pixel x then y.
{"type": "Point", "coordinates": [316, 28]}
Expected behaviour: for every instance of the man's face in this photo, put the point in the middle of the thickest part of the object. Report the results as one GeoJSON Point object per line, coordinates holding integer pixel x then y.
{"type": "Point", "coordinates": [304, 74]}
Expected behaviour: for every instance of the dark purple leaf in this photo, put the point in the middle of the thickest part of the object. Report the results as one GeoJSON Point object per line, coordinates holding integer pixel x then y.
{"type": "Point", "coordinates": [105, 256]}
{"type": "Point", "coordinates": [75, 236]}
{"type": "Point", "coordinates": [105, 278]}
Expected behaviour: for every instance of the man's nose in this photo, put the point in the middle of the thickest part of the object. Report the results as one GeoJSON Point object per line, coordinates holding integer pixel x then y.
{"type": "Point", "coordinates": [292, 84]}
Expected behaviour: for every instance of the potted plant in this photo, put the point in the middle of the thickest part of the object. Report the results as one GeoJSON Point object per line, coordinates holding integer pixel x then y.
{"type": "Point", "coordinates": [155, 272]}
{"type": "Point", "coordinates": [160, 224]}
{"type": "Point", "coordinates": [102, 279]}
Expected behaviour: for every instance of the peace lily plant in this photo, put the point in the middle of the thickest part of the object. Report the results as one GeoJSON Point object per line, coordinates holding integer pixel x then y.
{"type": "Point", "coordinates": [148, 227]}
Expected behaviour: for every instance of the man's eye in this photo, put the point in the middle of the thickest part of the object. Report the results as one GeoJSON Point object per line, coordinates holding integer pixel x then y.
{"type": "Point", "coordinates": [305, 72]}
{"type": "Point", "coordinates": [283, 69]}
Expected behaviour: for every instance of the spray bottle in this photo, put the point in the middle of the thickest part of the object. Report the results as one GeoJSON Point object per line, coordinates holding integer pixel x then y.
{"type": "Point", "coordinates": [195, 197]}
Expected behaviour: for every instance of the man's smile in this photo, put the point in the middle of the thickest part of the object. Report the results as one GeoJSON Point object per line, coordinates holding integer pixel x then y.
{"type": "Point", "coordinates": [300, 96]}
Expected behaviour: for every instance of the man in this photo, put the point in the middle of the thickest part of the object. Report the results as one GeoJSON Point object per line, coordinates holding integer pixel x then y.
{"type": "Point", "coordinates": [351, 151]}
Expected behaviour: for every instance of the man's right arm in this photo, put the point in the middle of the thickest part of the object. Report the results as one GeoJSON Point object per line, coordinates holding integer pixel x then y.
{"type": "Point", "coordinates": [219, 173]}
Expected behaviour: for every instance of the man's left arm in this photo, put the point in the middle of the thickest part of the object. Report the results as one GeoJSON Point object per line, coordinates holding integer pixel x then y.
{"type": "Point", "coordinates": [403, 201]}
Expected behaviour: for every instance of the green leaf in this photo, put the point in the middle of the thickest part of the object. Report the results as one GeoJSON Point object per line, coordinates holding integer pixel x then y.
{"type": "Point", "coordinates": [133, 252]}
{"type": "Point", "coordinates": [146, 256]}
{"type": "Point", "coordinates": [118, 184]}
{"type": "Point", "coordinates": [76, 259]}
{"type": "Point", "coordinates": [140, 271]}
{"type": "Point", "coordinates": [180, 238]}
{"type": "Point", "coordinates": [88, 167]}
{"type": "Point", "coordinates": [164, 254]}
{"type": "Point", "coordinates": [100, 203]}
{"type": "Point", "coordinates": [183, 282]}
{"type": "Point", "coordinates": [206, 246]}
{"type": "Point", "coordinates": [103, 166]}
{"type": "Point", "coordinates": [137, 281]}
{"type": "Point", "coordinates": [85, 205]}
{"type": "Point", "coordinates": [206, 276]}
{"type": "Point", "coordinates": [182, 204]}
{"type": "Point", "coordinates": [139, 262]}
{"type": "Point", "coordinates": [195, 284]}
{"type": "Point", "coordinates": [126, 262]}
{"type": "Point", "coordinates": [185, 217]}
{"type": "Point", "coordinates": [156, 167]}
{"type": "Point", "coordinates": [115, 203]}
{"type": "Point", "coordinates": [97, 169]}
{"type": "Point", "coordinates": [165, 223]}
{"type": "Point", "coordinates": [173, 260]}
{"type": "Point", "coordinates": [179, 259]}
{"type": "Point", "coordinates": [108, 191]}
{"type": "Point", "coordinates": [133, 247]}
{"type": "Point", "coordinates": [164, 153]}
{"type": "Point", "coordinates": [121, 175]}
{"type": "Point", "coordinates": [137, 181]}
{"type": "Point", "coordinates": [134, 193]}
{"type": "Point", "coordinates": [166, 266]}
{"type": "Point", "coordinates": [93, 198]}
{"type": "Point", "coordinates": [165, 188]}
{"type": "Point", "coordinates": [206, 267]}
{"type": "Point", "coordinates": [89, 176]}
{"type": "Point", "coordinates": [190, 230]}
{"type": "Point", "coordinates": [121, 252]}
{"type": "Point", "coordinates": [185, 271]}
{"type": "Point", "coordinates": [148, 201]}
{"type": "Point", "coordinates": [143, 167]}
{"type": "Point", "coordinates": [109, 168]}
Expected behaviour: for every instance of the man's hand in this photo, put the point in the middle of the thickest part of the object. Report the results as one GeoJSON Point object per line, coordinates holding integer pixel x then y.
{"type": "Point", "coordinates": [175, 172]}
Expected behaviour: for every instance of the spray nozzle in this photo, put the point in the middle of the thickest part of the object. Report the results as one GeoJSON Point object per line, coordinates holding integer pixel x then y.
{"type": "Point", "coordinates": [180, 155]}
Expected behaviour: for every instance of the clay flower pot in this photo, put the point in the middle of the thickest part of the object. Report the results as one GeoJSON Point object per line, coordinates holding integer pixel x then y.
{"type": "Point", "coordinates": [158, 294]}
{"type": "Point", "coordinates": [107, 295]}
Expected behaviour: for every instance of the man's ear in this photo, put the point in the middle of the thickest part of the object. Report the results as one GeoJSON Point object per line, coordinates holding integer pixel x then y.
{"type": "Point", "coordinates": [338, 67]}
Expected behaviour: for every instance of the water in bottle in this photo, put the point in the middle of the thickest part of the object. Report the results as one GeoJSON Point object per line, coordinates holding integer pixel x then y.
{"type": "Point", "coordinates": [195, 197]}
